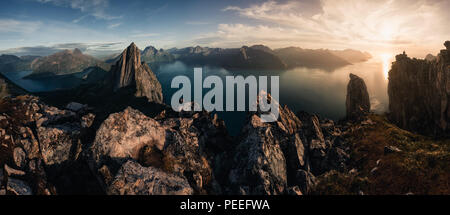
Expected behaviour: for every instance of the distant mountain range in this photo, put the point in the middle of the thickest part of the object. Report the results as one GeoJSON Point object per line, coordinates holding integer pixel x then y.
{"type": "Point", "coordinates": [64, 63]}
{"type": "Point", "coordinates": [253, 58]}
{"type": "Point", "coordinates": [262, 57]}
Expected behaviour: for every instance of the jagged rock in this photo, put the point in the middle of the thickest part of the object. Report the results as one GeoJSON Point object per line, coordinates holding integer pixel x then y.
{"type": "Point", "coordinates": [294, 191]}
{"type": "Point", "coordinates": [87, 120]}
{"type": "Point", "coordinates": [59, 143]}
{"type": "Point", "coordinates": [447, 45]}
{"type": "Point", "coordinates": [419, 93]}
{"type": "Point", "coordinates": [183, 146]}
{"type": "Point", "coordinates": [260, 163]}
{"type": "Point", "coordinates": [391, 149]}
{"type": "Point", "coordinates": [19, 157]}
{"type": "Point", "coordinates": [305, 181]}
{"type": "Point", "coordinates": [357, 102]}
{"type": "Point", "coordinates": [129, 71]}
{"type": "Point", "coordinates": [267, 153]}
{"type": "Point", "coordinates": [39, 139]}
{"type": "Point", "coordinates": [134, 179]}
{"type": "Point", "coordinates": [270, 155]}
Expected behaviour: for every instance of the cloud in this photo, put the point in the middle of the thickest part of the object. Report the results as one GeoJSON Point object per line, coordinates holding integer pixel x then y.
{"type": "Point", "coordinates": [114, 25]}
{"type": "Point", "coordinates": [16, 26]}
{"type": "Point", "coordinates": [145, 35]}
{"type": "Point", "coordinates": [340, 23]}
{"type": "Point", "coordinates": [95, 8]}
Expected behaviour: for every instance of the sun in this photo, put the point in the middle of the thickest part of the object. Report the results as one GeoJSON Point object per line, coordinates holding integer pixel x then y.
{"type": "Point", "coordinates": [386, 59]}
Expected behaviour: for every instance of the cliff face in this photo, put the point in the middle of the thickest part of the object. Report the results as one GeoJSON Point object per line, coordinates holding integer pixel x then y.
{"type": "Point", "coordinates": [419, 93]}
{"type": "Point", "coordinates": [357, 102]}
{"type": "Point", "coordinates": [130, 72]}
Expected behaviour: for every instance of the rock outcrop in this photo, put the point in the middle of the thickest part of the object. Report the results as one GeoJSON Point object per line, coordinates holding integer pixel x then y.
{"type": "Point", "coordinates": [183, 147]}
{"type": "Point", "coordinates": [419, 93]}
{"type": "Point", "coordinates": [134, 179]}
{"type": "Point", "coordinates": [357, 102]}
{"type": "Point", "coordinates": [39, 142]}
{"type": "Point", "coordinates": [129, 71]}
{"type": "Point", "coordinates": [274, 158]}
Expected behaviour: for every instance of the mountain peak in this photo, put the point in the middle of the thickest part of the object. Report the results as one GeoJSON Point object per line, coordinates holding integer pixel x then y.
{"type": "Point", "coordinates": [129, 71]}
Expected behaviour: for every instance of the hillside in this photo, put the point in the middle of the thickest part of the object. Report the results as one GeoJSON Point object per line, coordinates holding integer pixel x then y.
{"type": "Point", "coordinates": [63, 63]}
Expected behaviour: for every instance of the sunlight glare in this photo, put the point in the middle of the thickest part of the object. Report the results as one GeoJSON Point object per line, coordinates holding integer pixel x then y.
{"type": "Point", "coordinates": [386, 59]}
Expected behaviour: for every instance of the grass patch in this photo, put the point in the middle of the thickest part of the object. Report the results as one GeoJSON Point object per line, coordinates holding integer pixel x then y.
{"type": "Point", "coordinates": [422, 166]}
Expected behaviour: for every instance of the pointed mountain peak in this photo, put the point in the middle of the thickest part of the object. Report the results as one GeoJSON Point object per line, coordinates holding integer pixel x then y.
{"type": "Point", "coordinates": [129, 71]}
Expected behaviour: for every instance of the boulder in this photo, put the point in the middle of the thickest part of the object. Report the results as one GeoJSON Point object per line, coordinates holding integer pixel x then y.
{"type": "Point", "coordinates": [184, 146]}
{"type": "Point", "coordinates": [134, 179]}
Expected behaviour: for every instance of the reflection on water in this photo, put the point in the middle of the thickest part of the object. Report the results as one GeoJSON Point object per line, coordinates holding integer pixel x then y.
{"type": "Point", "coordinates": [43, 84]}
{"type": "Point", "coordinates": [322, 92]}
{"type": "Point", "coordinates": [311, 90]}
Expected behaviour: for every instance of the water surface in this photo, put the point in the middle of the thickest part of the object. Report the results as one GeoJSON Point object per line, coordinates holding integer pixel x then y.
{"type": "Point", "coordinates": [312, 90]}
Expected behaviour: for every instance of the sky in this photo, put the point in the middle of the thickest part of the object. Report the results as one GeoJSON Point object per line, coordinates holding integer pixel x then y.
{"type": "Point", "coordinates": [102, 27]}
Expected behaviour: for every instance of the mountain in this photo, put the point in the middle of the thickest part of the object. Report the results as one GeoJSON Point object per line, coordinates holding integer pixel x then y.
{"type": "Point", "coordinates": [352, 56]}
{"type": "Point", "coordinates": [244, 58]}
{"type": "Point", "coordinates": [419, 92]}
{"type": "Point", "coordinates": [263, 48]}
{"type": "Point", "coordinates": [130, 72]}
{"type": "Point", "coordinates": [318, 58]}
{"type": "Point", "coordinates": [13, 63]}
{"type": "Point", "coordinates": [153, 55]}
{"type": "Point", "coordinates": [63, 63]}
